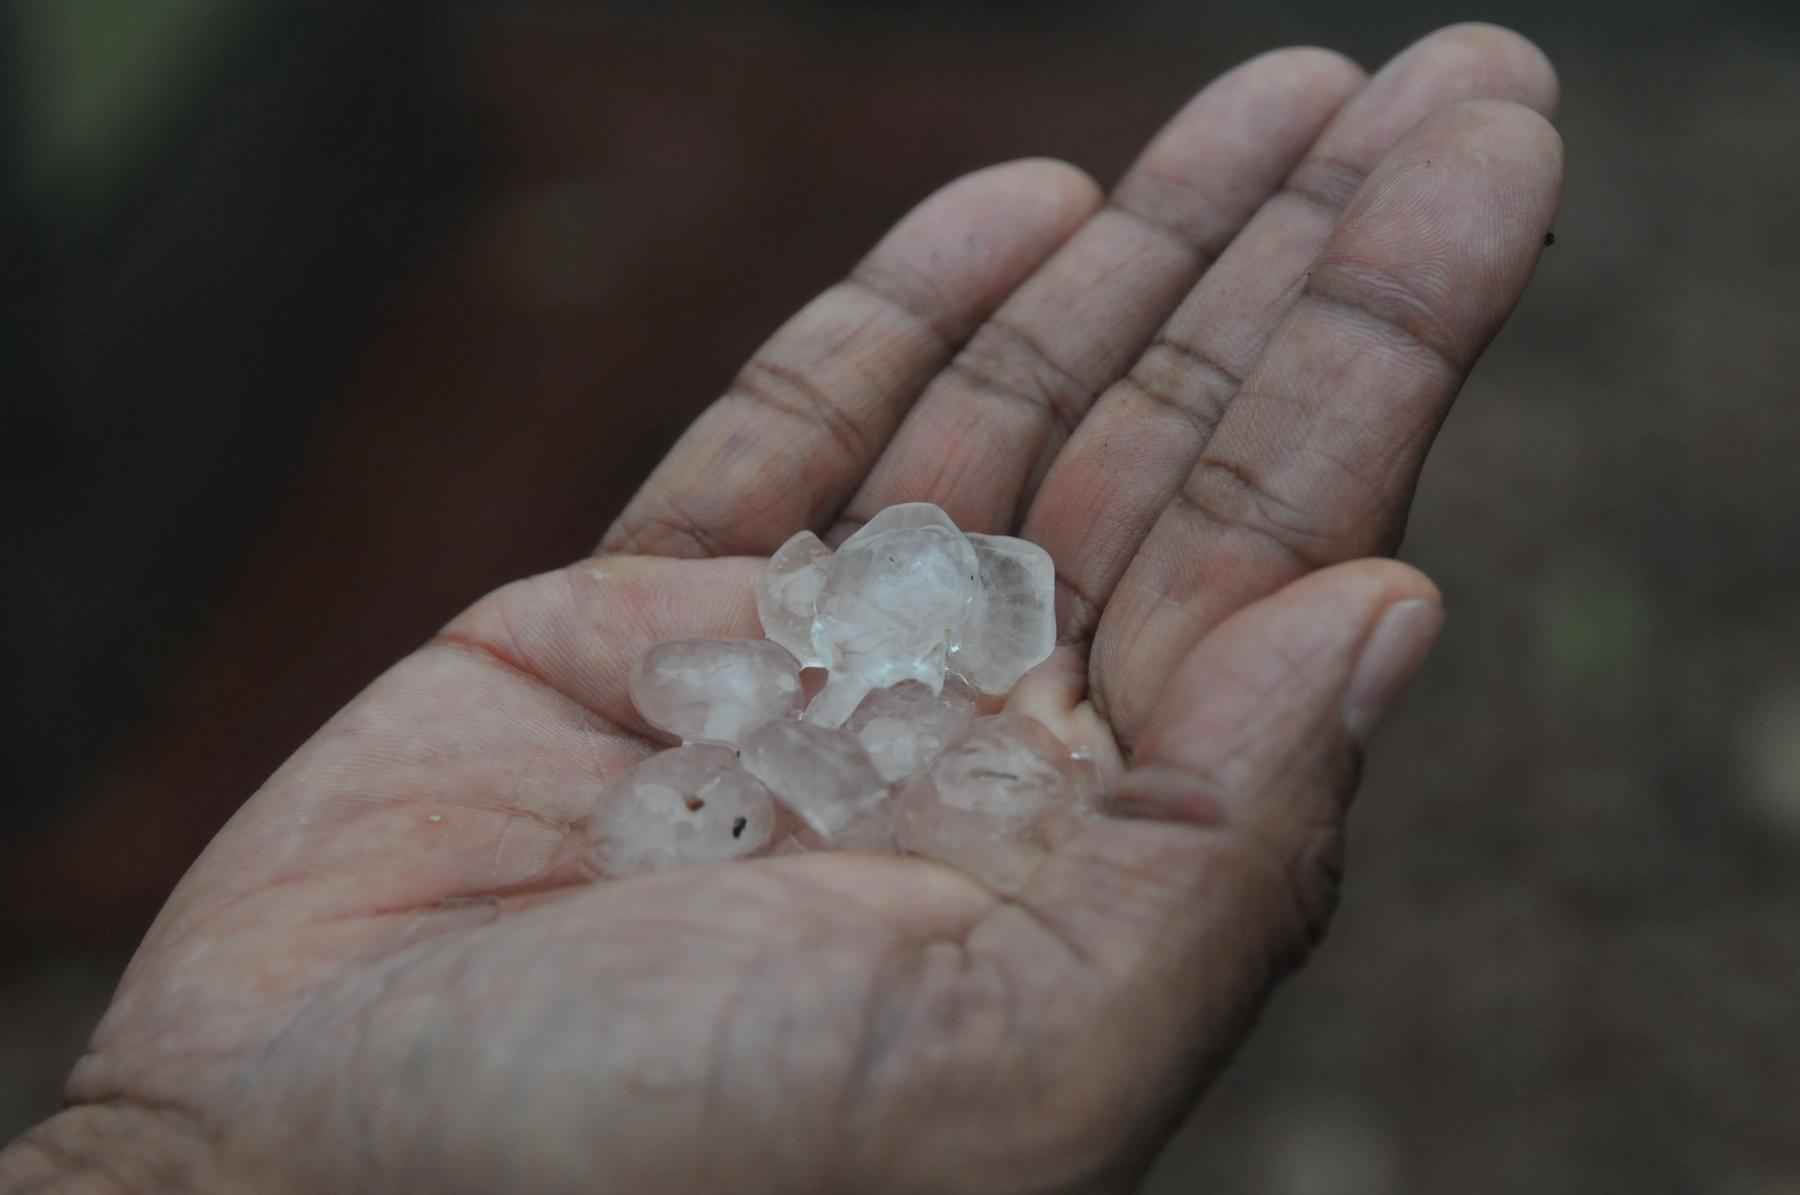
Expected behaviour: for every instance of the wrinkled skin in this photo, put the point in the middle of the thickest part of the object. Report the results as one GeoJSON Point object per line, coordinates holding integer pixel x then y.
{"type": "Point", "coordinates": [1208, 394]}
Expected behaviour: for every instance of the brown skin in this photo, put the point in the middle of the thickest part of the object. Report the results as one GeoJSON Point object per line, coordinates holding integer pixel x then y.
{"type": "Point", "coordinates": [1207, 394]}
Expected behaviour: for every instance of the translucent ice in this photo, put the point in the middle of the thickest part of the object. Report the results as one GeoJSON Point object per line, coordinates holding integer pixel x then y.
{"type": "Point", "coordinates": [823, 775]}
{"type": "Point", "coordinates": [913, 622]}
{"type": "Point", "coordinates": [1012, 625]}
{"type": "Point", "coordinates": [985, 804]}
{"type": "Point", "coordinates": [870, 830]}
{"type": "Point", "coordinates": [894, 602]}
{"type": "Point", "coordinates": [702, 690]}
{"type": "Point", "coordinates": [788, 591]}
{"type": "Point", "coordinates": [904, 727]}
{"type": "Point", "coordinates": [906, 516]}
{"type": "Point", "coordinates": [688, 805]}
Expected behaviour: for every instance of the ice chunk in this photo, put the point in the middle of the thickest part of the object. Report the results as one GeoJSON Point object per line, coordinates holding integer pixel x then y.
{"type": "Point", "coordinates": [871, 830]}
{"type": "Point", "coordinates": [985, 805]}
{"type": "Point", "coordinates": [894, 602]}
{"type": "Point", "coordinates": [715, 691]}
{"type": "Point", "coordinates": [823, 775]}
{"type": "Point", "coordinates": [1012, 624]}
{"type": "Point", "coordinates": [904, 516]}
{"type": "Point", "coordinates": [906, 726]}
{"type": "Point", "coordinates": [915, 622]}
{"type": "Point", "coordinates": [689, 805]}
{"type": "Point", "coordinates": [788, 591]}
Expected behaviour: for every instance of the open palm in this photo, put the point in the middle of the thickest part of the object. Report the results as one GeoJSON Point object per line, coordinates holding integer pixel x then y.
{"type": "Point", "coordinates": [1207, 394]}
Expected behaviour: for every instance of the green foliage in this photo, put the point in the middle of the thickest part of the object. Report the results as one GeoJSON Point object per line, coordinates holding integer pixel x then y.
{"type": "Point", "coordinates": [101, 78]}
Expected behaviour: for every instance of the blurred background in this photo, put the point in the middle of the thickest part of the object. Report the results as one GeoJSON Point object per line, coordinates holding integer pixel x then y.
{"type": "Point", "coordinates": [320, 320]}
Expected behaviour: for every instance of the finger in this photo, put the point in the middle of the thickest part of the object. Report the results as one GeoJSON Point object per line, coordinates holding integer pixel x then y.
{"type": "Point", "coordinates": [799, 428]}
{"type": "Point", "coordinates": [983, 430]}
{"type": "Point", "coordinates": [1177, 915]}
{"type": "Point", "coordinates": [1127, 461]}
{"type": "Point", "coordinates": [1316, 460]}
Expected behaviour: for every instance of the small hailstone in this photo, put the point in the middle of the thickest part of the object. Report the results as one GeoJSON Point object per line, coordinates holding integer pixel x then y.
{"type": "Point", "coordinates": [788, 591]}
{"type": "Point", "coordinates": [692, 804]}
{"type": "Point", "coordinates": [894, 603]}
{"type": "Point", "coordinates": [701, 690]}
{"type": "Point", "coordinates": [985, 804]}
{"type": "Point", "coordinates": [1012, 627]}
{"type": "Point", "coordinates": [823, 775]}
{"type": "Point", "coordinates": [904, 727]}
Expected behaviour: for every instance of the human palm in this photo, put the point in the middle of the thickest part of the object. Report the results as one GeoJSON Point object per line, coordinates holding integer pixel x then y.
{"type": "Point", "coordinates": [1207, 395]}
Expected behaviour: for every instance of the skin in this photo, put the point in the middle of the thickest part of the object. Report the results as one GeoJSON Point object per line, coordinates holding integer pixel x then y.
{"type": "Point", "coordinates": [1207, 393]}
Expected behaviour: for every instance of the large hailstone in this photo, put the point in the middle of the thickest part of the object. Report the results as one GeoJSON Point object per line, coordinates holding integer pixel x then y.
{"type": "Point", "coordinates": [894, 602]}
{"type": "Point", "coordinates": [909, 597]}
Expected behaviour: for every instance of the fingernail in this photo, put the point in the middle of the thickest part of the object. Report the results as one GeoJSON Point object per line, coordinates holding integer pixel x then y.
{"type": "Point", "coordinates": [1396, 648]}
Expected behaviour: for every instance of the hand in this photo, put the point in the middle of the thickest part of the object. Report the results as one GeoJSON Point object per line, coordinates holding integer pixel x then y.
{"type": "Point", "coordinates": [1207, 394]}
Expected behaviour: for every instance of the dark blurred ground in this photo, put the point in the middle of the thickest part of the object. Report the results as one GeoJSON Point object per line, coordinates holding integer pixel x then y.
{"type": "Point", "coordinates": [390, 308]}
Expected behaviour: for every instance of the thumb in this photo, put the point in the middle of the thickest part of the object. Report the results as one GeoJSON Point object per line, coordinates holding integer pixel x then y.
{"type": "Point", "coordinates": [1258, 737]}
{"type": "Point", "coordinates": [1219, 865]}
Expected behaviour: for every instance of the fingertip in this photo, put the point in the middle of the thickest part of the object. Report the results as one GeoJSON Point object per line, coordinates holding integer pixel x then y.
{"type": "Point", "coordinates": [1392, 653]}
{"type": "Point", "coordinates": [967, 245]}
{"type": "Point", "coordinates": [1218, 159]}
{"type": "Point", "coordinates": [1538, 86]}
{"type": "Point", "coordinates": [1058, 192]}
{"type": "Point", "coordinates": [1494, 147]}
{"type": "Point", "coordinates": [1375, 582]}
{"type": "Point", "coordinates": [1525, 144]}
{"type": "Point", "coordinates": [1443, 236]}
{"type": "Point", "coordinates": [1435, 73]}
{"type": "Point", "coordinates": [1491, 60]}
{"type": "Point", "coordinates": [1315, 66]}
{"type": "Point", "coordinates": [1393, 616]}
{"type": "Point", "coordinates": [1256, 674]}
{"type": "Point", "coordinates": [1502, 120]}
{"type": "Point", "coordinates": [1354, 596]}
{"type": "Point", "coordinates": [1379, 618]}
{"type": "Point", "coordinates": [1479, 141]}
